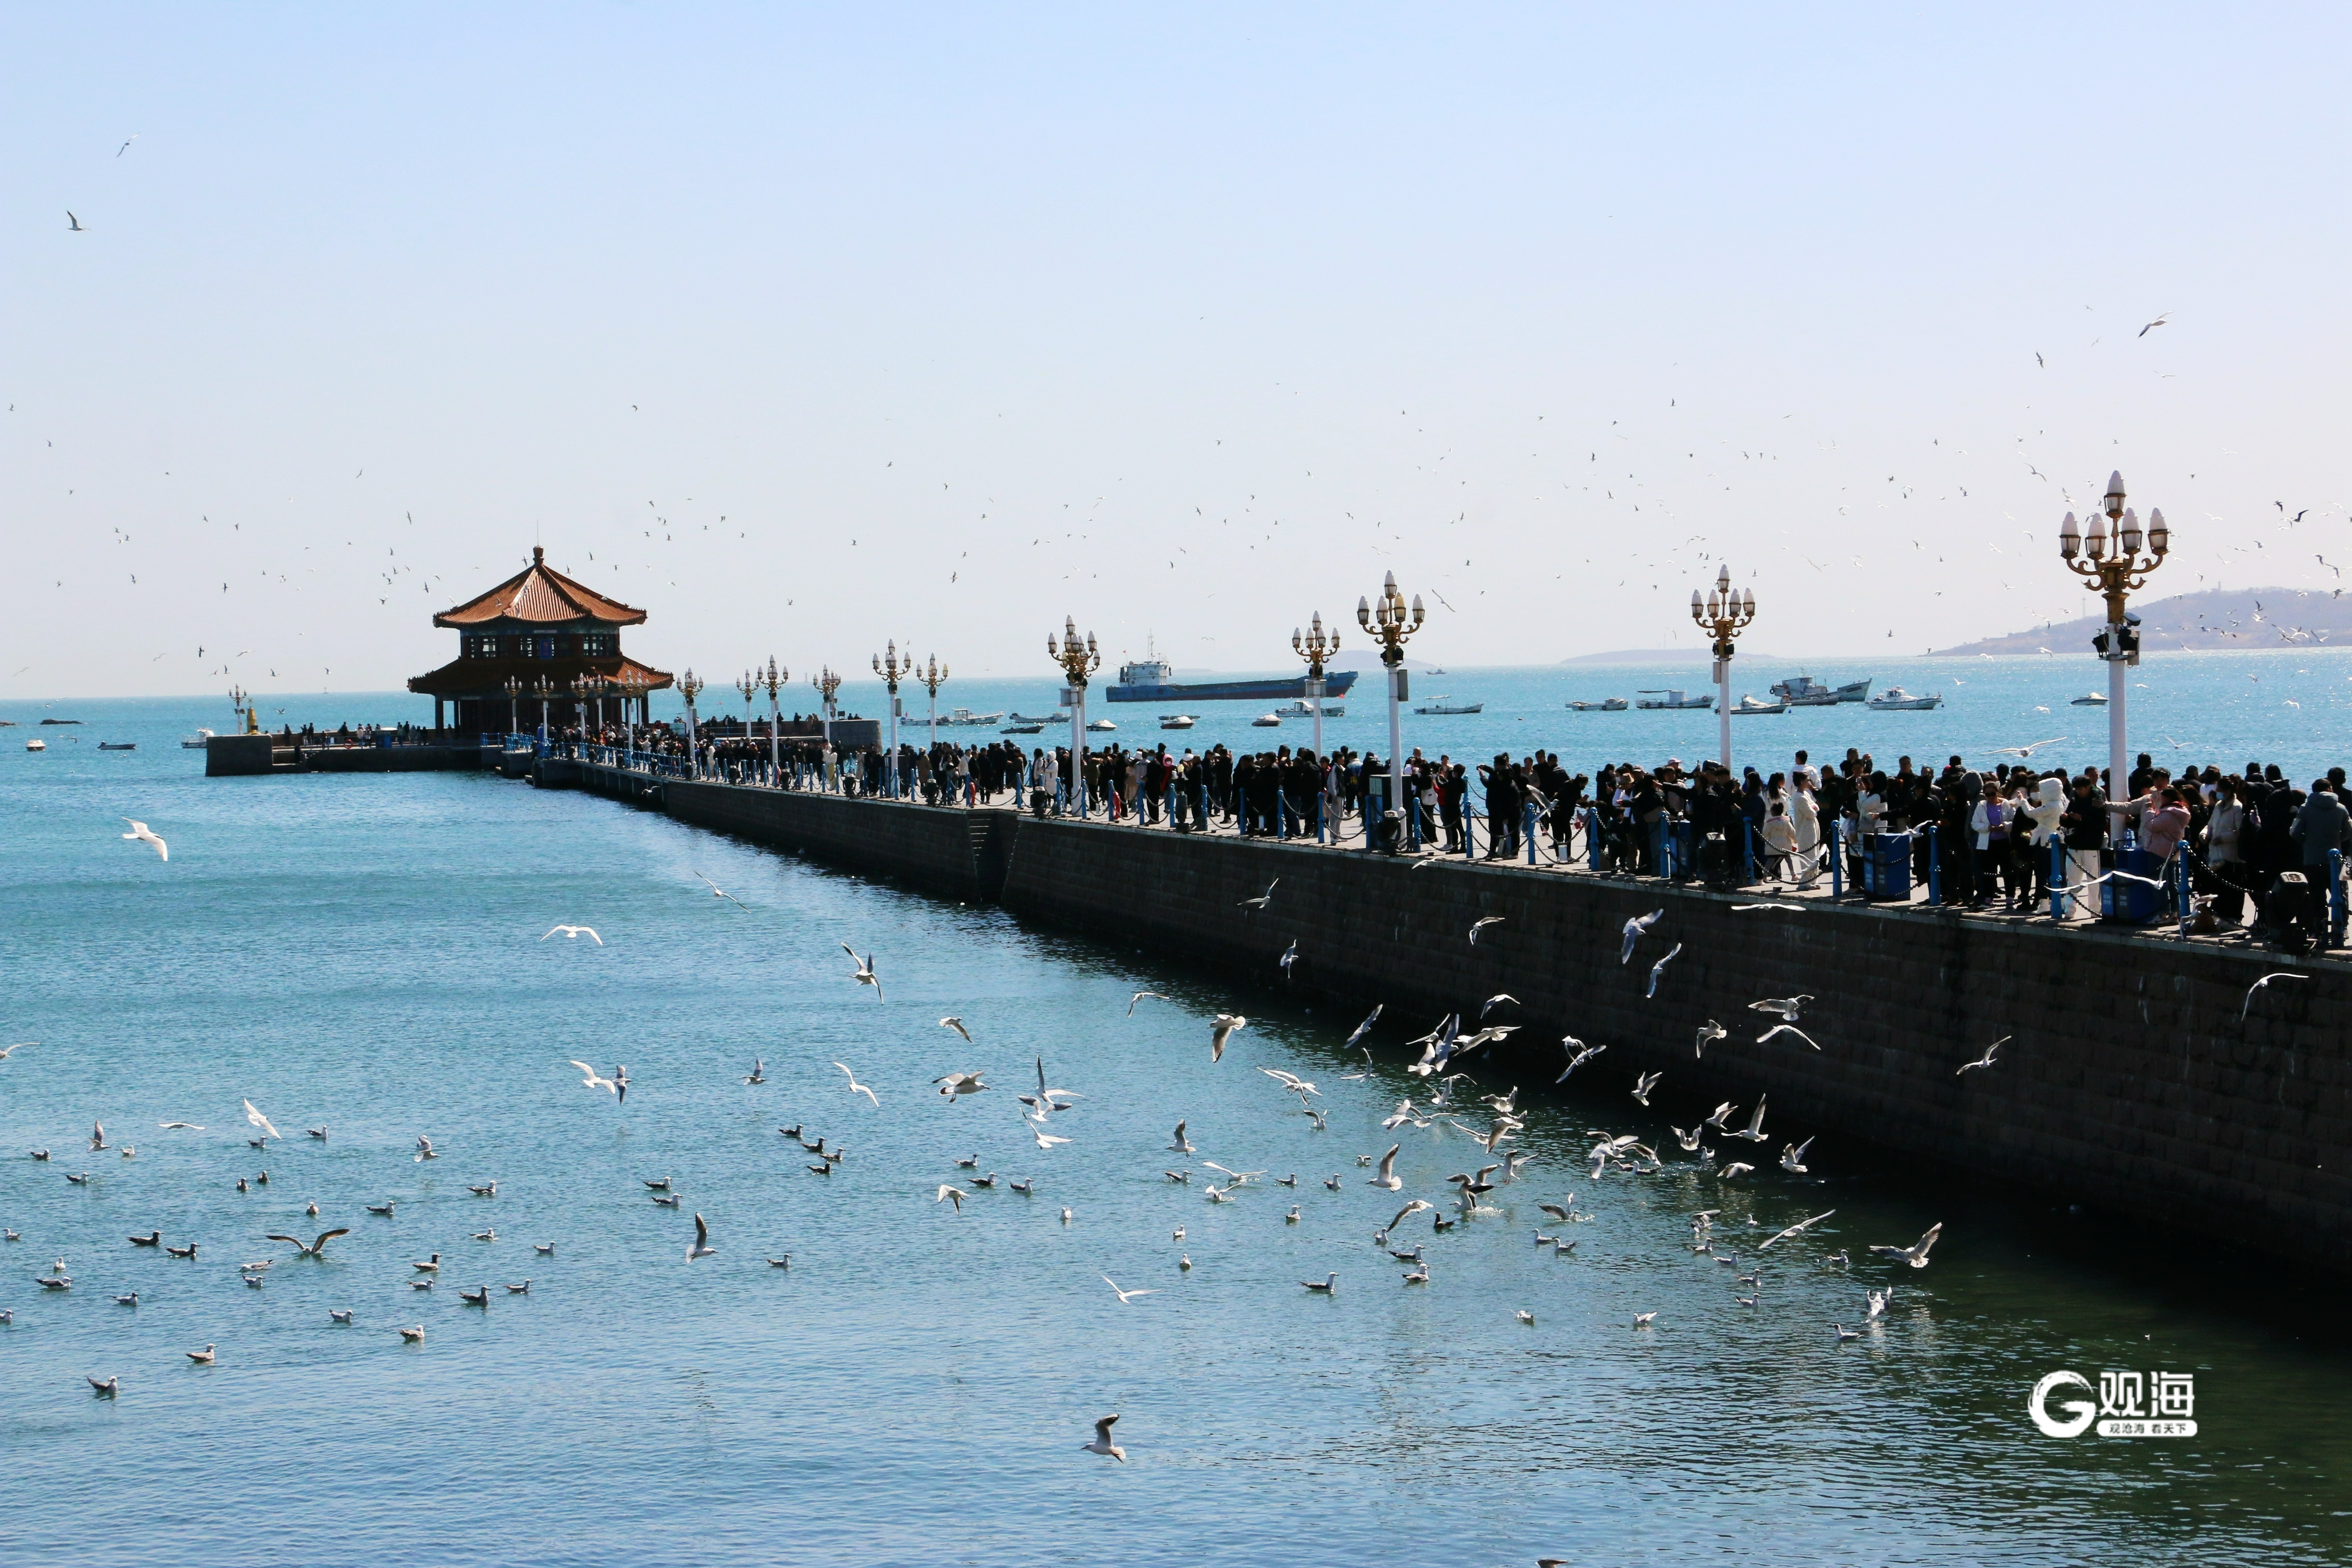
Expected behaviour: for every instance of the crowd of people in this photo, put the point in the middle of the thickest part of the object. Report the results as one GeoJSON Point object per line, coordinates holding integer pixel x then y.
{"type": "Point", "coordinates": [2013, 836]}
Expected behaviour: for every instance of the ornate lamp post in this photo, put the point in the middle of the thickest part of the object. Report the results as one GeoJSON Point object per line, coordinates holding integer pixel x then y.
{"type": "Point", "coordinates": [690, 684]}
{"type": "Point", "coordinates": [931, 674]}
{"type": "Point", "coordinates": [633, 689]}
{"type": "Point", "coordinates": [1315, 648]}
{"type": "Point", "coordinates": [2115, 566]}
{"type": "Point", "coordinates": [514, 703]}
{"type": "Point", "coordinates": [892, 671]}
{"type": "Point", "coordinates": [774, 682]}
{"type": "Point", "coordinates": [748, 683]}
{"type": "Point", "coordinates": [1388, 622]}
{"type": "Point", "coordinates": [545, 687]}
{"type": "Point", "coordinates": [1723, 615]}
{"type": "Point", "coordinates": [826, 683]}
{"type": "Point", "coordinates": [1078, 660]}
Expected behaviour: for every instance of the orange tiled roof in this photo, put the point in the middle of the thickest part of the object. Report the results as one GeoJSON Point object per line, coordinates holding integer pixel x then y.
{"type": "Point", "coordinates": [540, 595]}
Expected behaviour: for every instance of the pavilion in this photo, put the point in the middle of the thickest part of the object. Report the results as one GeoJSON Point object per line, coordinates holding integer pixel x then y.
{"type": "Point", "coordinates": [537, 639]}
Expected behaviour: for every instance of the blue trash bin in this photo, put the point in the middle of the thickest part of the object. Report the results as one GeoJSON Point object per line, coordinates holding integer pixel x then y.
{"type": "Point", "coordinates": [2126, 902]}
{"type": "Point", "coordinates": [1886, 866]}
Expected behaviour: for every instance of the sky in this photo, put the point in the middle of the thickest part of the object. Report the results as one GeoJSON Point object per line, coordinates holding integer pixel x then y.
{"type": "Point", "coordinates": [807, 328]}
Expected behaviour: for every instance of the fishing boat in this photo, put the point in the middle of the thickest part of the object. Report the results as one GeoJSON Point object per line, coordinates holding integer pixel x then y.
{"type": "Point", "coordinates": [1176, 721]}
{"type": "Point", "coordinates": [1446, 705]}
{"type": "Point", "coordinates": [1099, 726]}
{"type": "Point", "coordinates": [117, 745]}
{"type": "Point", "coordinates": [1895, 699]}
{"type": "Point", "coordinates": [1673, 697]}
{"type": "Point", "coordinates": [2090, 699]}
{"type": "Point", "coordinates": [1035, 719]}
{"type": "Point", "coordinates": [37, 744]}
{"type": "Point", "coordinates": [1804, 692]}
{"type": "Point", "coordinates": [966, 716]}
{"type": "Point", "coordinates": [197, 742]}
{"type": "Point", "coordinates": [1301, 708]}
{"type": "Point", "coordinates": [1748, 704]}
{"type": "Point", "coordinates": [1606, 705]}
{"type": "Point", "coordinates": [1266, 722]}
{"type": "Point", "coordinates": [1024, 729]}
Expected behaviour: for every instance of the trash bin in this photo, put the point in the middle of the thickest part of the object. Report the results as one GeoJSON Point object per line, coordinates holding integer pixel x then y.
{"type": "Point", "coordinates": [2128, 902]}
{"type": "Point", "coordinates": [1886, 866]}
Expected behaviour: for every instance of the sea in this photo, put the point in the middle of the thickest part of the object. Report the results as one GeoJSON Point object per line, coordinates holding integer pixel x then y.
{"type": "Point", "coordinates": [369, 956]}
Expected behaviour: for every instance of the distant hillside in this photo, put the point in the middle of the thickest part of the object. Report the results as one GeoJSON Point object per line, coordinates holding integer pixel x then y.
{"type": "Point", "coordinates": [2215, 618]}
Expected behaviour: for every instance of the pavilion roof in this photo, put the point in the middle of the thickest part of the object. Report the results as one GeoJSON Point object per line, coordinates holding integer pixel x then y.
{"type": "Point", "coordinates": [487, 677]}
{"type": "Point", "coordinates": [540, 595]}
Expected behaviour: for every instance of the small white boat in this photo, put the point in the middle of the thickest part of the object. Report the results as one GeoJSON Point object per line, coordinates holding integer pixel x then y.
{"type": "Point", "coordinates": [117, 745]}
{"type": "Point", "coordinates": [1606, 705]}
{"type": "Point", "coordinates": [37, 744]}
{"type": "Point", "coordinates": [1748, 704]}
{"type": "Point", "coordinates": [1443, 705]}
{"type": "Point", "coordinates": [1266, 722]}
{"type": "Point", "coordinates": [966, 716]}
{"type": "Point", "coordinates": [1674, 697]}
{"type": "Point", "coordinates": [2090, 699]}
{"type": "Point", "coordinates": [1895, 700]}
{"type": "Point", "coordinates": [1300, 707]}
{"type": "Point", "coordinates": [1100, 726]}
{"type": "Point", "coordinates": [197, 742]}
{"type": "Point", "coordinates": [1177, 720]}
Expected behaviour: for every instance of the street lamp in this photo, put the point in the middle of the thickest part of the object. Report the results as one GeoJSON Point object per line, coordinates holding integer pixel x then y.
{"type": "Point", "coordinates": [774, 682]}
{"type": "Point", "coordinates": [826, 684]}
{"type": "Point", "coordinates": [514, 703]}
{"type": "Point", "coordinates": [545, 687]}
{"type": "Point", "coordinates": [1723, 615]}
{"type": "Point", "coordinates": [633, 689]}
{"type": "Point", "coordinates": [747, 683]}
{"type": "Point", "coordinates": [690, 684]}
{"type": "Point", "coordinates": [1315, 648]}
{"type": "Point", "coordinates": [2115, 572]}
{"type": "Point", "coordinates": [1387, 621]}
{"type": "Point", "coordinates": [240, 703]}
{"type": "Point", "coordinates": [932, 673]}
{"type": "Point", "coordinates": [1078, 660]}
{"type": "Point", "coordinates": [891, 671]}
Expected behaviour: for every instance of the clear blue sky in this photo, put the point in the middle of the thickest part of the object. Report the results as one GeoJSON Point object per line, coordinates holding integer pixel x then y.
{"type": "Point", "coordinates": [805, 328]}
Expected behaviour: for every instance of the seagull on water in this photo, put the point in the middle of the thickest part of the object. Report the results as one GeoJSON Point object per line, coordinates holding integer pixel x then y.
{"type": "Point", "coordinates": [146, 834]}
{"type": "Point", "coordinates": [857, 1088]}
{"type": "Point", "coordinates": [424, 1150]}
{"type": "Point", "coordinates": [343, 1317]}
{"type": "Point", "coordinates": [1125, 1296]}
{"type": "Point", "coordinates": [1325, 1288]}
{"type": "Point", "coordinates": [1984, 1060]}
{"type": "Point", "coordinates": [415, 1336]}
{"type": "Point", "coordinates": [758, 1073]}
{"type": "Point", "coordinates": [1844, 1333]}
{"type": "Point", "coordinates": [1221, 1030]}
{"type": "Point", "coordinates": [572, 934]}
{"type": "Point", "coordinates": [1633, 930]}
{"type": "Point", "coordinates": [1181, 1145]}
{"type": "Point", "coordinates": [701, 1248]}
{"type": "Point", "coordinates": [1878, 1300]}
{"type": "Point", "coordinates": [1102, 1443]}
{"type": "Point", "coordinates": [865, 975]}
{"type": "Point", "coordinates": [106, 1390]}
{"type": "Point", "coordinates": [1915, 1254]}
{"type": "Point", "coordinates": [202, 1358]}
{"type": "Point", "coordinates": [1644, 1320]}
{"type": "Point", "coordinates": [316, 1248]}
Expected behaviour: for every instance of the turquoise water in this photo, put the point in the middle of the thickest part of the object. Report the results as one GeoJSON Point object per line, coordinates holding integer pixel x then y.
{"type": "Point", "coordinates": [362, 952]}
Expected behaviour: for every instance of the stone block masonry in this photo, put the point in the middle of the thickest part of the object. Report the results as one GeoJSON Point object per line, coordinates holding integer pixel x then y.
{"type": "Point", "coordinates": [2128, 1082]}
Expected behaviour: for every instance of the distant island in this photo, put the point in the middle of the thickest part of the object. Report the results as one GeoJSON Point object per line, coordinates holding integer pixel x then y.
{"type": "Point", "coordinates": [2213, 619]}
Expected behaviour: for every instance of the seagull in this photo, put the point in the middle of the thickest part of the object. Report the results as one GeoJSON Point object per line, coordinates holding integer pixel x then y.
{"type": "Point", "coordinates": [1799, 1227]}
{"type": "Point", "coordinates": [2157, 322]}
{"type": "Point", "coordinates": [1792, 909]}
{"type": "Point", "coordinates": [1222, 1030]}
{"type": "Point", "coordinates": [950, 1193]}
{"type": "Point", "coordinates": [701, 1248]}
{"type": "Point", "coordinates": [73, 224]}
{"type": "Point", "coordinates": [1786, 1007]}
{"type": "Point", "coordinates": [621, 1084]}
{"type": "Point", "coordinates": [1044, 1140]}
{"type": "Point", "coordinates": [1290, 1081]}
{"type": "Point", "coordinates": [572, 934]}
{"type": "Point", "coordinates": [857, 1087]}
{"type": "Point", "coordinates": [188, 1251]}
{"type": "Point", "coordinates": [1844, 1333]}
{"type": "Point", "coordinates": [1387, 1177]}
{"type": "Point", "coordinates": [1786, 1029]}
{"type": "Point", "coordinates": [522, 1290]}
{"type": "Point", "coordinates": [383, 1209]}
{"type": "Point", "coordinates": [1792, 1157]}
{"type": "Point", "coordinates": [1754, 1132]}
{"type": "Point", "coordinates": [1363, 1029]}
{"type": "Point", "coordinates": [1737, 1168]}
{"type": "Point", "coordinates": [1708, 1033]}
{"type": "Point", "coordinates": [2028, 751]}
{"type": "Point", "coordinates": [1289, 957]}
{"type": "Point", "coordinates": [98, 1135]}
{"type": "Point", "coordinates": [1915, 1255]}
{"type": "Point", "coordinates": [424, 1150]}
{"type": "Point", "coordinates": [1262, 900]}
{"type": "Point", "coordinates": [1643, 1083]}
{"type": "Point", "coordinates": [1878, 1300]}
{"type": "Point", "coordinates": [6, 1051]}
{"type": "Point", "coordinates": [758, 1073]}
{"type": "Point", "coordinates": [415, 1336]}
{"type": "Point", "coordinates": [952, 1022]}
{"type": "Point", "coordinates": [1125, 1296]}
{"type": "Point", "coordinates": [491, 1235]}
{"type": "Point", "coordinates": [1142, 997]}
{"type": "Point", "coordinates": [487, 1190]}
{"type": "Point", "coordinates": [1489, 1005]}
{"type": "Point", "coordinates": [1102, 1443]}
{"type": "Point", "coordinates": [1984, 1060]}
{"type": "Point", "coordinates": [2258, 984]}
{"type": "Point", "coordinates": [1180, 1144]}
{"type": "Point", "coordinates": [129, 1300]}
{"type": "Point", "coordinates": [1481, 923]}
{"type": "Point", "coordinates": [431, 1266]}
{"type": "Point", "coordinates": [316, 1248]}
{"type": "Point", "coordinates": [111, 1386]}
{"type": "Point", "coordinates": [255, 1118]}
{"type": "Point", "coordinates": [721, 891]}
{"type": "Point", "coordinates": [318, 1132]}
{"type": "Point", "coordinates": [1633, 930]}
{"type": "Point", "coordinates": [1658, 969]}
{"type": "Point", "coordinates": [1324, 1289]}
{"type": "Point", "coordinates": [544, 1248]}
{"type": "Point", "coordinates": [865, 975]}
{"type": "Point", "coordinates": [957, 1084]}
{"type": "Point", "coordinates": [146, 834]}
{"type": "Point", "coordinates": [1644, 1320]}
{"type": "Point", "coordinates": [1418, 1276]}
{"type": "Point", "coordinates": [335, 1317]}
{"type": "Point", "coordinates": [154, 1239]}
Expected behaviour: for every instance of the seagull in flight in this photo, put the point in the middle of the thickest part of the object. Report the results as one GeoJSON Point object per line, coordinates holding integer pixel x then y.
{"type": "Point", "coordinates": [1222, 1030]}
{"type": "Point", "coordinates": [572, 934]}
{"type": "Point", "coordinates": [73, 224]}
{"type": "Point", "coordinates": [1708, 1033]}
{"type": "Point", "coordinates": [952, 1194]}
{"type": "Point", "coordinates": [2152, 325]}
{"type": "Point", "coordinates": [865, 975]}
{"type": "Point", "coordinates": [1658, 969]}
{"type": "Point", "coordinates": [723, 893]}
{"type": "Point", "coordinates": [1786, 1029]}
{"type": "Point", "coordinates": [2258, 984]}
{"type": "Point", "coordinates": [1643, 1083]}
{"type": "Point", "coordinates": [1481, 923]}
{"type": "Point", "coordinates": [593, 1081]}
{"type": "Point", "coordinates": [1102, 1443]}
{"type": "Point", "coordinates": [1387, 1177]}
{"type": "Point", "coordinates": [701, 1248]}
{"type": "Point", "coordinates": [1915, 1255]}
{"type": "Point", "coordinates": [857, 1088]}
{"type": "Point", "coordinates": [2025, 750]}
{"type": "Point", "coordinates": [1125, 1296]}
{"type": "Point", "coordinates": [1499, 996]}
{"type": "Point", "coordinates": [1801, 1227]}
{"type": "Point", "coordinates": [957, 1084]}
{"type": "Point", "coordinates": [314, 1249]}
{"type": "Point", "coordinates": [1786, 1007]}
{"type": "Point", "coordinates": [1984, 1060]}
{"type": "Point", "coordinates": [1262, 900]}
{"type": "Point", "coordinates": [255, 1119]}
{"type": "Point", "coordinates": [1792, 1157]}
{"type": "Point", "coordinates": [952, 1022]}
{"type": "Point", "coordinates": [146, 834]}
{"type": "Point", "coordinates": [1142, 997]}
{"type": "Point", "coordinates": [424, 1150]}
{"type": "Point", "coordinates": [1633, 930]}
{"type": "Point", "coordinates": [6, 1051]}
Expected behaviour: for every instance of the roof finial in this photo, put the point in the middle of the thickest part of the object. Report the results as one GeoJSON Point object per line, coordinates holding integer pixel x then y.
{"type": "Point", "coordinates": [538, 556]}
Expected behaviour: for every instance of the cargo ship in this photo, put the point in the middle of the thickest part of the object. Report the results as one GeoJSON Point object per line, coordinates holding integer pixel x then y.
{"type": "Point", "coordinates": [1153, 680]}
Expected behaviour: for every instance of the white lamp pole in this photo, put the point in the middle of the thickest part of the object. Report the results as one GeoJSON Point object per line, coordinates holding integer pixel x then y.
{"type": "Point", "coordinates": [2115, 573]}
{"type": "Point", "coordinates": [1389, 621]}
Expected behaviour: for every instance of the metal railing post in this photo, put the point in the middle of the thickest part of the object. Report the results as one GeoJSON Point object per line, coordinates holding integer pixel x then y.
{"type": "Point", "coordinates": [1934, 867]}
{"type": "Point", "coordinates": [1837, 858]}
{"type": "Point", "coordinates": [2057, 876]}
{"type": "Point", "coordinates": [1528, 812]}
